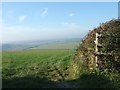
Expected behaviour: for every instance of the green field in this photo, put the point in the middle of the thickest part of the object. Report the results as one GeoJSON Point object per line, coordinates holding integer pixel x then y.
{"type": "Point", "coordinates": [39, 68]}
{"type": "Point", "coordinates": [51, 69]}
{"type": "Point", "coordinates": [59, 45]}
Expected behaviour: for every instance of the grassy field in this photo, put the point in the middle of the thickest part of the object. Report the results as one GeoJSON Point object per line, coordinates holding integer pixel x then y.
{"type": "Point", "coordinates": [58, 45]}
{"type": "Point", "coordinates": [51, 69]}
{"type": "Point", "coordinates": [39, 68]}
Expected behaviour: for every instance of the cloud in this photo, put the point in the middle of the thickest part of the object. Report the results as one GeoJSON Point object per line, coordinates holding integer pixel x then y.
{"type": "Point", "coordinates": [71, 14]}
{"type": "Point", "coordinates": [22, 33]}
{"type": "Point", "coordinates": [17, 33]}
{"type": "Point", "coordinates": [44, 12]}
{"type": "Point", "coordinates": [71, 24]}
{"type": "Point", "coordinates": [22, 18]}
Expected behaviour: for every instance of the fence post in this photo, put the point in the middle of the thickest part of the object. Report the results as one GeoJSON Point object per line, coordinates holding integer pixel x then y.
{"type": "Point", "coordinates": [96, 47]}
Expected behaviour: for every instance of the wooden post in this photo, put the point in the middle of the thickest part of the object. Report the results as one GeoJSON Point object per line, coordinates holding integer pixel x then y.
{"type": "Point", "coordinates": [96, 47]}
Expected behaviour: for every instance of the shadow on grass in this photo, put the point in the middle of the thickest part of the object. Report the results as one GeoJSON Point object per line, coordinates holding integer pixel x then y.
{"type": "Point", "coordinates": [85, 81]}
{"type": "Point", "coordinates": [28, 82]}
{"type": "Point", "coordinates": [92, 81]}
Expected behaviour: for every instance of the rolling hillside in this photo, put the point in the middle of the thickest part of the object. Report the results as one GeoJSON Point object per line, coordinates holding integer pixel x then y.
{"type": "Point", "coordinates": [42, 44]}
{"type": "Point", "coordinates": [47, 65]}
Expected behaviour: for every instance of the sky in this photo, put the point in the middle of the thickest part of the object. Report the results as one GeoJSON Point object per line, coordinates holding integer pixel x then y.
{"type": "Point", "coordinates": [53, 20]}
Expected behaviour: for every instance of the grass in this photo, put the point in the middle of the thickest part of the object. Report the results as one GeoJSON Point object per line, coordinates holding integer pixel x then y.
{"type": "Point", "coordinates": [51, 69]}
{"type": "Point", "coordinates": [46, 65]}
{"type": "Point", "coordinates": [18, 59]}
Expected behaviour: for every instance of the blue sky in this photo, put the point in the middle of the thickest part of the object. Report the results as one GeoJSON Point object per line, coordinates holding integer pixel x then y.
{"type": "Point", "coordinates": [39, 21]}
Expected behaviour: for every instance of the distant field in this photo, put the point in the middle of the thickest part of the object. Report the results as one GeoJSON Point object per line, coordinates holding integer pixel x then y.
{"type": "Point", "coordinates": [68, 45]}
{"type": "Point", "coordinates": [19, 65]}
{"type": "Point", "coordinates": [42, 44]}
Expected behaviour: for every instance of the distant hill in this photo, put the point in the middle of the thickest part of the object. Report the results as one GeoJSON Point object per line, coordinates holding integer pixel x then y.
{"type": "Point", "coordinates": [43, 44]}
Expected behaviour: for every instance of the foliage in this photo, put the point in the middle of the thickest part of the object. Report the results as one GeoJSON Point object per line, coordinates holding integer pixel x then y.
{"type": "Point", "coordinates": [110, 41]}
{"type": "Point", "coordinates": [108, 65]}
